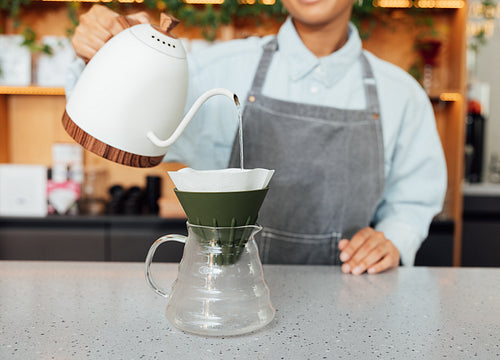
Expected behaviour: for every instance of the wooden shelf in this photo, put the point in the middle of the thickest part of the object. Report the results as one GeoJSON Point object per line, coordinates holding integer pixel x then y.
{"type": "Point", "coordinates": [43, 90]}
{"type": "Point", "coordinates": [31, 90]}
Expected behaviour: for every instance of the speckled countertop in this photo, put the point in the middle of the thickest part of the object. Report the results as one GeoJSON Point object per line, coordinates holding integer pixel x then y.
{"type": "Point", "coordinates": [79, 310]}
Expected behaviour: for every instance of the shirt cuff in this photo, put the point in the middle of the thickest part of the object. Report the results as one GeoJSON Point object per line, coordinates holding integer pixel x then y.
{"type": "Point", "coordinates": [73, 73]}
{"type": "Point", "coordinates": [404, 237]}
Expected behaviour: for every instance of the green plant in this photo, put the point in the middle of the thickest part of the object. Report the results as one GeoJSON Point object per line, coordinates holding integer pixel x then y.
{"type": "Point", "coordinates": [73, 17]}
{"type": "Point", "coordinates": [33, 45]}
{"type": "Point", "coordinates": [210, 17]}
{"type": "Point", "coordinates": [12, 8]}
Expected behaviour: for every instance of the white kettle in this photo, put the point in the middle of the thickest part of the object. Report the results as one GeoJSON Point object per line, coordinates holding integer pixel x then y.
{"type": "Point", "coordinates": [132, 94]}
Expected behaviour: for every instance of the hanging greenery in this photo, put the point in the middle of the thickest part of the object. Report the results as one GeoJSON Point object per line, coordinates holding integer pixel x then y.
{"type": "Point", "coordinates": [33, 45]}
{"type": "Point", "coordinates": [12, 8]}
{"type": "Point", "coordinates": [210, 17]}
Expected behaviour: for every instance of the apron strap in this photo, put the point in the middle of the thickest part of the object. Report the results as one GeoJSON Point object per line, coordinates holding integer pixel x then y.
{"type": "Point", "coordinates": [263, 67]}
{"type": "Point", "coordinates": [371, 93]}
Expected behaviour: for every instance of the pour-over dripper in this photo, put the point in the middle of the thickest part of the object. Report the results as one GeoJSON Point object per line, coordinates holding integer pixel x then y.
{"type": "Point", "coordinates": [223, 210]}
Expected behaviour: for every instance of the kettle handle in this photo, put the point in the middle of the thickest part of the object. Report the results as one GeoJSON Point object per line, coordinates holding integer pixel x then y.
{"type": "Point", "coordinates": [149, 260]}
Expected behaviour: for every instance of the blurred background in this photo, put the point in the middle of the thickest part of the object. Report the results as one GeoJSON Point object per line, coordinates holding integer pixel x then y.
{"type": "Point", "coordinates": [60, 202]}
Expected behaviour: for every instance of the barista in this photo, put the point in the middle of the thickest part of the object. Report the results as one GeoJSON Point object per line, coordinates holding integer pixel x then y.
{"type": "Point", "coordinates": [360, 171]}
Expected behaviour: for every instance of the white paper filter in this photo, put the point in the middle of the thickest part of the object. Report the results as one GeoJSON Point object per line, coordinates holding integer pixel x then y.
{"type": "Point", "coordinates": [225, 180]}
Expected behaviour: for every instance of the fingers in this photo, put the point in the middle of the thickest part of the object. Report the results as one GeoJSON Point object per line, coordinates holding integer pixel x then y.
{"type": "Point", "coordinates": [384, 264]}
{"type": "Point", "coordinates": [370, 257]}
{"type": "Point", "coordinates": [86, 44]}
{"type": "Point", "coordinates": [357, 240]}
{"type": "Point", "coordinates": [368, 250]}
{"type": "Point", "coordinates": [343, 243]}
{"type": "Point", "coordinates": [97, 26]}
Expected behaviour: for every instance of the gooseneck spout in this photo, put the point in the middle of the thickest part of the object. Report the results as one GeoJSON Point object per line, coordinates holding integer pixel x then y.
{"type": "Point", "coordinates": [190, 114]}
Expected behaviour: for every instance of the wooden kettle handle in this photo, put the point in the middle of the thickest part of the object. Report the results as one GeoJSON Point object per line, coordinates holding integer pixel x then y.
{"type": "Point", "coordinates": [126, 21]}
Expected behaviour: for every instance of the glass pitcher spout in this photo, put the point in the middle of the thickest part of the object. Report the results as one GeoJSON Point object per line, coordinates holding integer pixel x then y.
{"type": "Point", "coordinates": [190, 114]}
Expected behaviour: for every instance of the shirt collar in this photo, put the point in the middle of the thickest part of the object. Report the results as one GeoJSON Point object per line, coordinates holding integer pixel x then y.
{"type": "Point", "coordinates": [301, 61]}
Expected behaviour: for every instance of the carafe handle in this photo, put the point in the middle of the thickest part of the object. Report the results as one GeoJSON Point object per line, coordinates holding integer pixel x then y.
{"type": "Point", "coordinates": [149, 260]}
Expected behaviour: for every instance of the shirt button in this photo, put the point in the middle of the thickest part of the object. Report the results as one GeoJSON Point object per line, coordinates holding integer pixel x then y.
{"type": "Point", "coordinates": [314, 89]}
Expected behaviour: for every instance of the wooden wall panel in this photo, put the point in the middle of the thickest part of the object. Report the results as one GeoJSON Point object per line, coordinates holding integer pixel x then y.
{"type": "Point", "coordinates": [4, 131]}
{"type": "Point", "coordinates": [36, 126]}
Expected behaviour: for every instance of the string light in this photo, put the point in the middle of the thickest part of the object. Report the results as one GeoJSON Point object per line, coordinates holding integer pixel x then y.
{"type": "Point", "coordinates": [96, 1]}
{"type": "Point", "coordinates": [203, 2]}
{"type": "Point", "coordinates": [425, 4]}
{"type": "Point", "coordinates": [393, 3]}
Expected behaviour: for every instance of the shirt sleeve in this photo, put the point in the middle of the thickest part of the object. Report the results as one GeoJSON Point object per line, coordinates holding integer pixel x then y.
{"type": "Point", "coordinates": [416, 182]}
{"type": "Point", "coordinates": [74, 71]}
{"type": "Point", "coordinates": [185, 148]}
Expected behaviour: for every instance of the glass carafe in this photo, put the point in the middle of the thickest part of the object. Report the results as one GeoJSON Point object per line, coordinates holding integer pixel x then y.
{"type": "Point", "coordinates": [220, 288]}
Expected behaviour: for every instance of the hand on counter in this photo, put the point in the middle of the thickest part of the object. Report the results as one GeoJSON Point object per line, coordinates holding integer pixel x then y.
{"type": "Point", "coordinates": [368, 250]}
{"type": "Point", "coordinates": [100, 24]}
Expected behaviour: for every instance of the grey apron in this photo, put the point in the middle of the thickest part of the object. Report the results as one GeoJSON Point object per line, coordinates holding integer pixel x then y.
{"type": "Point", "coordinates": [329, 166]}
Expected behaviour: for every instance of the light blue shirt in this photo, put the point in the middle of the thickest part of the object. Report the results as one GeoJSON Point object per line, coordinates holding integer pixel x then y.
{"type": "Point", "coordinates": [415, 169]}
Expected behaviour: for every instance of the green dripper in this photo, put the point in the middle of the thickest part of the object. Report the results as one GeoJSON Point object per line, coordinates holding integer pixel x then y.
{"type": "Point", "coordinates": [234, 209]}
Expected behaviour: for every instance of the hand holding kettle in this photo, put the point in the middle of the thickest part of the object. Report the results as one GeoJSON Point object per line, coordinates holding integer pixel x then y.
{"type": "Point", "coordinates": [100, 24]}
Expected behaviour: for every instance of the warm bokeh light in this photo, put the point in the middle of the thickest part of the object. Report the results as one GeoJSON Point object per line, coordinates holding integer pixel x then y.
{"type": "Point", "coordinates": [426, 4]}
{"type": "Point", "coordinates": [450, 97]}
{"type": "Point", "coordinates": [199, 2]}
{"type": "Point", "coordinates": [393, 3]}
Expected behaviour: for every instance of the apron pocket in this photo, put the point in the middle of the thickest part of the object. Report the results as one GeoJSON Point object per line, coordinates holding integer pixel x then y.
{"type": "Point", "coordinates": [282, 247]}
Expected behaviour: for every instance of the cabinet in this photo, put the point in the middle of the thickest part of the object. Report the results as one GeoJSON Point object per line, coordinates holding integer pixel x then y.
{"type": "Point", "coordinates": [86, 238]}
{"type": "Point", "coordinates": [437, 249]}
{"type": "Point", "coordinates": [30, 123]}
{"type": "Point", "coordinates": [481, 225]}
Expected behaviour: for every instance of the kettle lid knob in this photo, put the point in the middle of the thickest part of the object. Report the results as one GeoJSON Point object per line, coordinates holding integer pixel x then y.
{"type": "Point", "coordinates": [167, 24]}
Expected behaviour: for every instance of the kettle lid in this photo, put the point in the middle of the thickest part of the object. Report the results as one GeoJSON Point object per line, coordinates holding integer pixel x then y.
{"type": "Point", "coordinates": [160, 37]}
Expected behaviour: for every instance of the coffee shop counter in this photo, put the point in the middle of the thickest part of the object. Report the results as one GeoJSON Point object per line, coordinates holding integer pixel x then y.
{"type": "Point", "coordinates": [105, 310]}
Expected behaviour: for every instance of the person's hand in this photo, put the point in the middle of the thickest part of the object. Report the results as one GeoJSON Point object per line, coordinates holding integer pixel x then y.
{"type": "Point", "coordinates": [368, 250]}
{"type": "Point", "coordinates": [97, 26]}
